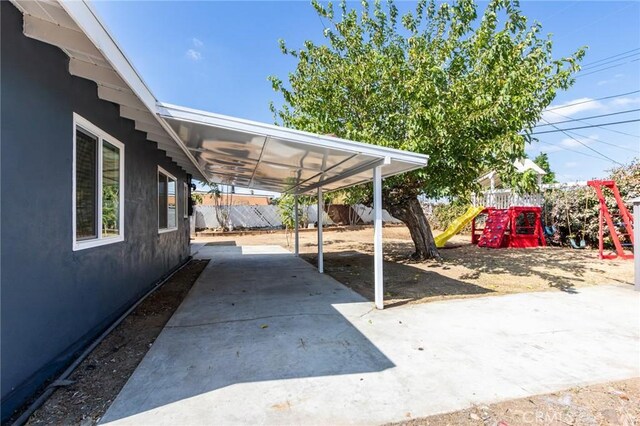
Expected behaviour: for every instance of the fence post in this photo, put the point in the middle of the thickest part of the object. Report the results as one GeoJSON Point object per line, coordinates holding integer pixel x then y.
{"type": "Point", "coordinates": [296, 225]}
{"type": "Point", "coordinates": [320, 219]}
{"type": "Point", "coordinates": [636, 242]}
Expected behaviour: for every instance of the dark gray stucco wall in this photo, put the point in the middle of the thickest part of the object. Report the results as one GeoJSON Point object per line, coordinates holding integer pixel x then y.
{"type": "Point", "coordinates": [54, 300]}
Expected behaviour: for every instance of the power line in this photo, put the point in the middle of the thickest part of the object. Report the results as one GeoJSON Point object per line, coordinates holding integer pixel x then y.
{"type": "Point", "coordinates": [570, 150]}
{"type": "Point", "coordinates": [591, 23]}
{"type": "Point", "coordinates": [587, 118]}
{"type": "Point", "coordinates": [592, 100]}
{"type": "Point", "coordinates": [586, 127]}
{"type": "Point", "coordinates": [582, 120]}
{"type": "Point", "coordinates": [589, 68]}
{"type": "Point", "coordinates": [607, 68]}
{"type": "Point", "coordinates": [557, 12]}
{"type": "Point", "coordinates": [590, 64]}
{"type": "Point", "coordinates": [586, 146]}
{"type": "Point", "coordinates": [606, 143]}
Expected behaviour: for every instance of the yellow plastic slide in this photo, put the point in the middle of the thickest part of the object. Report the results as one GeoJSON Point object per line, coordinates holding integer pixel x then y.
{"type": "Point", "coordinates": [457, 225]}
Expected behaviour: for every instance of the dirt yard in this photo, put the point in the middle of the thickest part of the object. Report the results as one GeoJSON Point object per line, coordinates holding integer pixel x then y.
{"type": "Point", "coordinates": [607, 404]}
{"type": "Point", "coordinates": [101, 376]}
{"type": "Point", "coordinates": [466, 271]}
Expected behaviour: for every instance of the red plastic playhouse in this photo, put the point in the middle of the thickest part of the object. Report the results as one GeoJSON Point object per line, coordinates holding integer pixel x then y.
{"type": "Point", "coordinates": [515, 227]}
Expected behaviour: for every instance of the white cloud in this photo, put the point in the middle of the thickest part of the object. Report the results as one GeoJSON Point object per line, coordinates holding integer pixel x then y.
{"type": "Point", "coordinates": [571, 164]}
{"type": "Point", "coordinates": [573, 143]}
{"type": "Point", "coordinates": [194, 55]}
{"type": "Point", "coordinates": [603, 82]}
{"type": "Point", "coordinates": [570, 108]}
{"type": "Point", "coordinates": [550, 148]}
{"type": "Point", "coordinates": [619, 75]}
{"type": "Point", "coordinates": [536, 147]}
{"type": "Point", "coordinates": [625, 101]}
{"type": "Point", "coordinates": [197, 42]}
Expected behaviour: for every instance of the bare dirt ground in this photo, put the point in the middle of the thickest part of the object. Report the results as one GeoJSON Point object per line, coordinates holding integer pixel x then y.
{"type": "Point", "coordinates": [466, 270]}
{"type": "Point", "coordinates": [101, 376]}
{"type": "Point", "coordinates": [606, 404]}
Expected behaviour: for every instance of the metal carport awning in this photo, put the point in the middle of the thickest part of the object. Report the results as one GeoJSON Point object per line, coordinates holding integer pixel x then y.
{"type": "Point", "coordinates": [234, 151]}
{"type": "Point", "coordinates": [262, 156]}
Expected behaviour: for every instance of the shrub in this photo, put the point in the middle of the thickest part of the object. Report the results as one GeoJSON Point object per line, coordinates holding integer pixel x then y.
{"type": "Point", "coordinates": [575, 211]}
{"type": "Point", "coordinates": [443, 214]}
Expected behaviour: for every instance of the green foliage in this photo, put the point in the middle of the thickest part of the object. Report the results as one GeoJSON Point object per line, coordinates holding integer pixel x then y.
{"type": "Point", "coordinates": [197, 198]}
{"type": "Point", "coordinates": [214, 190]}
{"type": "Point", "coordinates": [527, 182]}
{"type": "Point", "coordinates": [542, 160]}
{"type": "Point", "coordinates": [575, 211]}
{"type": "Point", "coordinates": [286, 204]}
{"type": "Point", "coordinates": [444, 214]}
{"type": "Point", "coordinates": [524, 183]}
{"type": "Point", "coordinates": [286, 208]}
{"type": "Point", "coordinates": [110, 208]}
{"type": "Point", "coordinates": [442, 80]}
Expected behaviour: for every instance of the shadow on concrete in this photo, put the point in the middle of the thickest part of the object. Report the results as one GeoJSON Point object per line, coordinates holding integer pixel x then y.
{"type": "Point", "coordinates": [402, 282]}
{"type": "Point", "coordinates": [249, 318]}
{"type": "Point", "coordinates": [222, 243]}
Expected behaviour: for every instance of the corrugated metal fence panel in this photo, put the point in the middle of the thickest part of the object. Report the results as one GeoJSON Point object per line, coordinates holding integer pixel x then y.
{"type": "Point", "coordinates": [239, 216]}
{"type": "Point", "coordinates": [206, 217]}
{"type": "Point", "coordinates": [252, 217]}
{"type": "Point", "coordinates": [366, 214]}
{"type": "Point", "coordinates": [312, 212]}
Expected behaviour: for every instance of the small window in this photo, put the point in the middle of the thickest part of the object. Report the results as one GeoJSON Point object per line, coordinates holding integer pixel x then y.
{"type": "Point", "coordinates": [167, 202]}
{"type": "Point", "coordinates": [185, 200]}
{"type": "Point", "coordinates": [98, 186]}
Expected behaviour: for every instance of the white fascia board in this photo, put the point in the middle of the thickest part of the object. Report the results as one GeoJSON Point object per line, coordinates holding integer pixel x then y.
{"type": "Point", "coordinates": [87, 20]}
{"type": "Point", "coordinates": [270, 130]}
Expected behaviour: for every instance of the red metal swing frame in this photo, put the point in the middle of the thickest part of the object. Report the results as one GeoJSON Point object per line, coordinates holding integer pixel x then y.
{"type": "Point", "coordinates": [605, 217]}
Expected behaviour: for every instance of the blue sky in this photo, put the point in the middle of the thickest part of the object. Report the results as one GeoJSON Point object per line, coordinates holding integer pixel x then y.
{"type": "Point", "coordinates": [216, 56]}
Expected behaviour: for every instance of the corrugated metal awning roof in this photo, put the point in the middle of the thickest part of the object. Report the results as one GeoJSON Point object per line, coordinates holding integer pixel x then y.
{"type": "Point", "coordinates": [262, 156]}
{"type": "Point", "coordinates": [209, 146]}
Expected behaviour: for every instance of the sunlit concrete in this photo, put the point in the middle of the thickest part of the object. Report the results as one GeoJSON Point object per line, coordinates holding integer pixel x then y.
{"type": "Point", "coordinates": [262, 338]}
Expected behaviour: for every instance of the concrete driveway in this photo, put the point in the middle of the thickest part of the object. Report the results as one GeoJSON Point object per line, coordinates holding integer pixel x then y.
{"type": "Point", "coordinates": [262, 338]}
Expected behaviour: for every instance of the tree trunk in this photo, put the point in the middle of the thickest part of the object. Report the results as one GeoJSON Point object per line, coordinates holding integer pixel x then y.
{"type": "Point", "coordinates": [410, 212]}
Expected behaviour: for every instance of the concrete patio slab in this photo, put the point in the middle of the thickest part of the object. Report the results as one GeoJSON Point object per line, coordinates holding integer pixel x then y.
{"type": "Point", "coordinates": [262, 338]}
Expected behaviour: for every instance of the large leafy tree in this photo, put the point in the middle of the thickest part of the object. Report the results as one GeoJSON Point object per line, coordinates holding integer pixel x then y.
{"type": "Point", "coordinates": [441, 80]}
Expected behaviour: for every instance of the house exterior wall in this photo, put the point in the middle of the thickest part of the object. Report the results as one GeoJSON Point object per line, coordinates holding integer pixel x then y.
{"type": "Point", "coordinates": [55, 300]}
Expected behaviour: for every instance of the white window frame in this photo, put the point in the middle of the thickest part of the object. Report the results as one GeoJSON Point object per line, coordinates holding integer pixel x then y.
{"type": "Point", "coordinates": [185, 201]}
{"type": "Point", "coordinates": [100, 240]}
{"type": "Point", "coordinates": [169, 176]}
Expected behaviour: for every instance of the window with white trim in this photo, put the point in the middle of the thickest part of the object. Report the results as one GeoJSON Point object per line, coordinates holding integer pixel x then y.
{"type": "Point", "coordinates": [98, 186]}
{"type": "Point", "coordinates": [185, 200]}
{"type": "Point", "coordinates": [167, 201]}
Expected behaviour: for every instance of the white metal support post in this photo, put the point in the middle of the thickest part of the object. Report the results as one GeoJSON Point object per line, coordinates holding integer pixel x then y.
{"type": "Point", "coordinates": [296, 226]}
{"type": "Point", "coordinates": [320, 220]}
{"type": "Point", "coordinates": [377, 237]}
{"type": "Point", "coordinates": [636, 242]}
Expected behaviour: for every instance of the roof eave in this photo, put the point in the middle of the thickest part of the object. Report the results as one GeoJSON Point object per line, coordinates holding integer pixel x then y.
{"type": "Point", "coordinates": [87, 20]}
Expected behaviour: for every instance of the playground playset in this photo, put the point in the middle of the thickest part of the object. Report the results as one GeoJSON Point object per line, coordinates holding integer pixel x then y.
{"type": "Point", "coordinates": [515, 227]}
{"type": "Point", "coordinates": [521, 226]}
